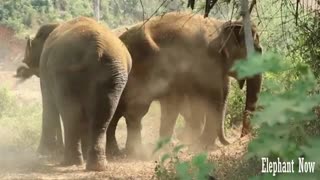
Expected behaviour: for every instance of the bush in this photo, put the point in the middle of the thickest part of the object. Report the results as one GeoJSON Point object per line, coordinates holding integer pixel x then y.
{"type": "Point", "coordinates": [235, 105]}
{"type": "Point", "coordinates": [20, 122]}
{"type": "Point", "coordinates": [280, 124]}
{"type": "Point", "coordinates": [171, 167]}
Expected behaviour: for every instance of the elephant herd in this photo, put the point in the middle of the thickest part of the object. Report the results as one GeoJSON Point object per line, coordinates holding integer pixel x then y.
{"type": "Point", "coordinates": [92, 76]}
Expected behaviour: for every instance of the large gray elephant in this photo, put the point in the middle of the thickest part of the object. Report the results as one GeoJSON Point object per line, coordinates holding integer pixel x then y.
{"type": "Point", "coordinates": [83, 69]}
{"type": "Point", "coordinates": [51, 141]}
{"type": "Point", "coordinates": [184, 53]}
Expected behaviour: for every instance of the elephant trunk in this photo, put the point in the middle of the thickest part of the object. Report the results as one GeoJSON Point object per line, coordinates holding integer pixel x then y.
{"type": "Point", "coordinates": [24, 72]}
{"type": "Point", "coordinates": [253, 90]}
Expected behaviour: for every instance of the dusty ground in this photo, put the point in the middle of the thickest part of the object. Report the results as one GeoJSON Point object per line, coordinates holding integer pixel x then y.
{"type": "Point", "coordinates": [27, 165]}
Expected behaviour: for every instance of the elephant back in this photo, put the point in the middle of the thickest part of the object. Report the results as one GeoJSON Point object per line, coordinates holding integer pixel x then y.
{"type": "Point", "coordinates": [73, 42]}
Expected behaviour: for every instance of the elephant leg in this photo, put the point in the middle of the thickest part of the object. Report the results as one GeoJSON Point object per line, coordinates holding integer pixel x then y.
{"type": "Point", "coordinates": [195, 119]}
{"type": "Point", "coordinates": [252, 92]}
{"type": "Point", "coordinates": [59, 135]}
{"type": "Point", "coordinates": [112, 145]}
{"type": "Point", "coordinates": [214, 116]}
{"type": "Point", "coordinates": [72, 116]}
{"type": "Point", "coordinates": [50, 125]}
{"type": "Point", "coordinates": [84, 138]}
{"type": "Point", "coordinates": [133, 120]}
{"type": "Point", "coordinates": [104, 101]}
{"type": "Point", "coordinates": [169, 115]}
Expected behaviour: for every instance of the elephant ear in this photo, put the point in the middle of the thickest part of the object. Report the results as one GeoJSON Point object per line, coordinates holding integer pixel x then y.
{"type": "Point", "coordinates": [231, 37]}
{"type": "Point", "coordinates": [26, 60]}
{"type": "Point", "coordinates": [45, 30]}
{"type": "Point", "coordinates": [34, 46]}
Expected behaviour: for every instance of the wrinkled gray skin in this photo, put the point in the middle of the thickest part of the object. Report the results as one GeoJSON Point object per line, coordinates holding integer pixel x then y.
{"type": "Point", "coordinates": [184, 54]}
{"type": "Point", "coordinates": [53, 142]}
{"type": "Point", "coordinates": [83, 69]}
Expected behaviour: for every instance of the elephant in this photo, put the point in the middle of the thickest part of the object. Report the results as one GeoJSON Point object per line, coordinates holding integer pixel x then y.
{"type": "Point", "coordinates": [53, 142]}
{"type": "Point", "coordinates": [195, 117]}
{"type": "Point", "coordinates": [183, 53]}
{"type": "Point", "coordinates": [193, 112]}
{"type": "Point", "coordinates": [83, 69]}
{"type": "Point", "coordinates": [52, 139]}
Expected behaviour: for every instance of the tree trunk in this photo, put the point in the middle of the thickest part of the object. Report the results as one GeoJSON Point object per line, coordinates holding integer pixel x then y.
{"type": "Point", "coordinates": [250, 49]}
{"type": "Point", "coordinates": [247, 26]}
{"type": "Point", "coordinates": [96, 9]}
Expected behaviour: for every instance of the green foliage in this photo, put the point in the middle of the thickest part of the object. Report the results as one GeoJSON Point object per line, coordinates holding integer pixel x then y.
{"type": "Point", "coordinates": [257, 64]}
{"type": "Point", "coordinates": [280, 124]}
{"type": "Point", "coordinates": [307, 46]}
{"type": "Point", "coordinates": [25, 15]}
{"type": "Point", "coordinates": [236, 99]}
{"type": "Point", "coordinates": [170, 166]}
{"type": "Point", "coordinates": [21, 118]}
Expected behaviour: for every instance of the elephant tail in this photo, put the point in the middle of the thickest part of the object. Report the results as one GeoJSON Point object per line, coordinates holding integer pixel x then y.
{"type": "Point", "coordinates": [221, 135]}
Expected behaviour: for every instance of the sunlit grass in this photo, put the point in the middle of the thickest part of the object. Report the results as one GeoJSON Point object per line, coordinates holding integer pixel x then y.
{"type": "Point", "coordinates": [19, 122]}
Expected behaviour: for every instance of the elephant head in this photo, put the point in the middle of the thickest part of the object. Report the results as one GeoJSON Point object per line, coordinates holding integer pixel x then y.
{"type": "Point", "coordinates": [33, 52]}
{"type": "Point", "coordinates": [230, 45]}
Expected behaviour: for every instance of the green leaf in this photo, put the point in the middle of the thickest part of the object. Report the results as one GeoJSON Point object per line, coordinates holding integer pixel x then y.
{"type": "Point", "coordinates": [164, 158]}
{"type": "Point", "coordinates": [257, 64]}
{"type": "Point", "coordinates": [204, 168]}
{"type": "Point", "coordinates": [161, 143]}
{"type": "Point", "coordinates": [176, 149]}
{"type": "Point", "coordinates": [183, 171]}
{"type": "Point", "coordinates": [275, 113]}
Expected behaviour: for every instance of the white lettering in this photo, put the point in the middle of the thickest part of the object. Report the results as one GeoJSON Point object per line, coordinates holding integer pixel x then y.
{"type": "Point", "coordinates": [306, 167]}
{"type": "Point", "coordinates": [275, 167]}
{"type": "Point", "coordinates": [263, 161]}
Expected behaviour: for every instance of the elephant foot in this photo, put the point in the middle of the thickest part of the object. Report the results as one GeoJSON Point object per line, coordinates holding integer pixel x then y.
{"type": "Point", "coordinates": [186, 138]}
{"type": "Point", "coordinates": [49, 150]}
{"type": "Point", "coordinates": [138, 152]}
{"type": "Point", "coordinates": [97, 165]}
{"type": "Point", "coordinates": [201, 147]}
{"type": "Point", "coordinates": [206, 141]}
{"type": "Point", "coordinates": [246, 128]}
{"type": "Point", "coordinates": [113, 151]}
{"type": "Point", "coordinates": [70, 161]}
{"type": "Point", "coordinates": [244, 132]}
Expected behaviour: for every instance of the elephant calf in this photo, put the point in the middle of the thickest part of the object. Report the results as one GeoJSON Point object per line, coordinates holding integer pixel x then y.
{"type": "Point", "coordinates": [83, 69]}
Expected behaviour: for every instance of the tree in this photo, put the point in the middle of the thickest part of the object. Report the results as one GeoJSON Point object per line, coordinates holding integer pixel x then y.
{"type": "Point", "coordinates": [96, 9]}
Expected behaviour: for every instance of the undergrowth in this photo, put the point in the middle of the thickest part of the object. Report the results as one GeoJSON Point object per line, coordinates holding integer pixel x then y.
{"type": "Point", "coordinates": [20, 122]}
